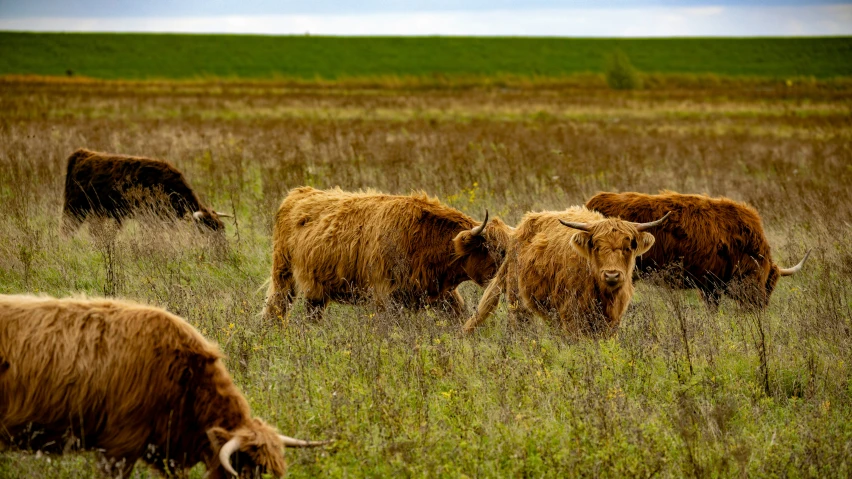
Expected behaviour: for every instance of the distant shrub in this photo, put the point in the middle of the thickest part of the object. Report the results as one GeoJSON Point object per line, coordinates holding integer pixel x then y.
{"type": "Point", "coordinates": [621, 74]}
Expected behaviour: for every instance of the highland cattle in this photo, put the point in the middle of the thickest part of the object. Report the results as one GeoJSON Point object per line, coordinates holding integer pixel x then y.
{"type": "Point", "coordinates": [130, 381]}
{"type": "Point", "coordinates": [573, 267]}
{"type": "Point", "coordinates": [333, 245]}
{"type": "Point", "coordinates": [105, 185]}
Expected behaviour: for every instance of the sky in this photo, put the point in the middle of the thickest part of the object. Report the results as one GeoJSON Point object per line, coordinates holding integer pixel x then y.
{"type": "Point", "coordinates": [578, 18]}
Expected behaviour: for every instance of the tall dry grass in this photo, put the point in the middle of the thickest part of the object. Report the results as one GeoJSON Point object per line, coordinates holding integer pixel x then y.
{"type": "Point", "coordinates": [679, 392]}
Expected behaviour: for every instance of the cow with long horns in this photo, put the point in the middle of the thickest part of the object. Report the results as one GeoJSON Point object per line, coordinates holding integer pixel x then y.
{"type": "Point", "coordinates": [105, 185]}
{"type": "Point", "coordinates": [573, 267]}
{"type": "Point", "coordinates": [713, 244]}
{"type": "Point", "coordinates": [334, 245]}
{"type": "Point", "coordinates": [130, 381]}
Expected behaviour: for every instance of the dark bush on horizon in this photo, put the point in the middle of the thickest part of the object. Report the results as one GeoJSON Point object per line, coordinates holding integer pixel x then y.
{"type": "Point", "coordinates": [621, 74]}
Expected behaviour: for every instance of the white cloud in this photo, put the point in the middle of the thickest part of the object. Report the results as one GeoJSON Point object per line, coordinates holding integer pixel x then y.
{"type": "Point", "coordinates": [565, 22]}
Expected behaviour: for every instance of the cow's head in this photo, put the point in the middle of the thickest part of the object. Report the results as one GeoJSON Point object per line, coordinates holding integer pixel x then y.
{"type": "Point", "coordinates": [209, 218]}
{"type": "Point", "coordinates": [251, 451]}
{"type": "Point", "coordinates": [611, 246]}
{"type": "Point", "coordinates": [757, 296]}
{"type": "Point", "coordinates": [481, 249]}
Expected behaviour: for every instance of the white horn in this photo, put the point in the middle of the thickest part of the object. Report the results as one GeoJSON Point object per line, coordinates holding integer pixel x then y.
{"type": "Point", "coordinates": [794, 269]}
{"type": "Point", "coordinates": [223, 215]}
{"type": "Point", "coordinates": [293, 442]}
{"type": "Point", "coordinates": [229, 448]}
{"type": "Point", "coordinates": [198, 215]}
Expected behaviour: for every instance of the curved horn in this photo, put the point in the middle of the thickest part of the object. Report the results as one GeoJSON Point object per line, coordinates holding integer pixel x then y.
{"type": "Point", "coordinates": [794, 269]}
{"type": "Point", "coordinates": [576, 226]}
{"type": "Point", "coordinates": [645, 226]}
{"type": "Point", "coordinates": [229, 448]}
{"type": "Point", "coordinates": [223, 215]}
{"type": "Point", "coordinates": [479, 229]}
{"type": "Point", "coordinates": [198, 215]}
{"type": "Point", "coordinates": [293, 442]}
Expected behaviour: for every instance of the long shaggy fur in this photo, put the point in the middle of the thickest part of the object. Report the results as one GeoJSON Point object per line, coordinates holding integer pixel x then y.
{"type": "Point", "coordinates": [116, 186]}
{"type": "Point", "coordinates": [333, 245]}
{"type": "Point", "coordinates": [556, 272]}
{"type": "Point", "coordinates": [708, 243]}
{"type": "Point", "coordinates": [132, 381]}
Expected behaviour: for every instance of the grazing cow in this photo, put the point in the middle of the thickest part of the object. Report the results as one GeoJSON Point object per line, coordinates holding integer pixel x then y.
{"type": "Point", "coordinates": [117, 186]}
{"type": "Point", "coordinates": [713, 244]}
{"type": "Point", "coordinates": [333, 245]}
{"type": "Point", "coordinates": [131, 381]}
{"type": "Point", "coordinates": [580, 277]}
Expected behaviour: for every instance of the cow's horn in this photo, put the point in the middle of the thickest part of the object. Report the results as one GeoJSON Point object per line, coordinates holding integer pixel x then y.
{"type": "Point", "coordinates": [198, 215]}
{"type": "Point", "coordinates": [576, 226]}
{"type": "Point", "coordinates": [794, 269]}
{"type": "Point", "coordinates": [229, 448]}
{"type": "Point", "coordinates": [645, 226]}
{"type": "Point", "coordinates": [293, 442]}
{"type": "Point", "coordinates": [223, 215]}
{"type": "Point", "coordinates": [479, 229]}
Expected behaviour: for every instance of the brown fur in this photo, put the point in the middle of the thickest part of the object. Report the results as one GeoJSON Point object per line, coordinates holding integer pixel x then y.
{"type": "Point", "coordinates": [333, 245]}
{"type": "Point", "coordinates": [708, 243]}
{"type": "Point", "coordinates": [131, 381]}
{"type": "Point", "coordinates": [559, 272]}
{"type": "Point", "coordinates": [116, 186]}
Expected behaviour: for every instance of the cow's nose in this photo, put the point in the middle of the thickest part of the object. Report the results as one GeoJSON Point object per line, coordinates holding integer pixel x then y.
{"type": "Point", "coordinates": [612, 278]}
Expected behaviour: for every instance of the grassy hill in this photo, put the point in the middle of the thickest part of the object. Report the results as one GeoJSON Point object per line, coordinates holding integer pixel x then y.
{"type": "Point", "coordinates": [145, 56]}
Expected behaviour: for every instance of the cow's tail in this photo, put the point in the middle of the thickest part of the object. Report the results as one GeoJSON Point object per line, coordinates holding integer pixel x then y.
{"type": "Point", "coordinates": [490, 299]}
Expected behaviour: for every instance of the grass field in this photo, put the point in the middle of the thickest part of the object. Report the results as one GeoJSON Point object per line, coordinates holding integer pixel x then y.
{"type": "Point", "coordinates": [677, 393]}
{"type": "Point", "coordinates": [148, 56]}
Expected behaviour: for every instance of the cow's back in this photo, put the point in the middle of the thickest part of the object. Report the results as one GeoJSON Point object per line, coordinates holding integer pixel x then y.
{"type": "Point", "coordinates": [102, 181]}
{"type": "Point", "coordinates": [337, 241]}
{"type": "Point", "coordinates": [708, 236]}
{"type": "Point", "coordinates": [106, 370]}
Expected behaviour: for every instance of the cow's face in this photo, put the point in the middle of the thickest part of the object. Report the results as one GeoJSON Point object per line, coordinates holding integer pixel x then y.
{"type": "Point", "coordinates": [257, 452]}
{"type": "Point", "coordinates": [480, 253]}
{"type": "Point", "coordinates": [611, 247]}
{"type": "Point", "coordinates": [208, 219]}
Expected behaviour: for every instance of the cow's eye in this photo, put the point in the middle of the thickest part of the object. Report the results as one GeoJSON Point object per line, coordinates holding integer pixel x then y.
{"type": "Point", "coordinates": [633, 244]}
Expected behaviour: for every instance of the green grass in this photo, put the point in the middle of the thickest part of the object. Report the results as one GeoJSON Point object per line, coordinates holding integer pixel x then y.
{"type": "Point", "coordinates": [147, 56]}
{"type": "Point", "coordinates": [405, 394]}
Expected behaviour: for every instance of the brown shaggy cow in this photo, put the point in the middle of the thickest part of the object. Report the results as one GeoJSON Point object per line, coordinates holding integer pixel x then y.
{"type": "Point", "coordinates": [580, 277]}
{"type": "Point", "coordinates": [333, 245]}
{"type": "Point", "coordinates": [713, 244]}
{"type": "Point", "coordinates": [131, 381]}
{"type": "Point", "coordinates": [105, 185]}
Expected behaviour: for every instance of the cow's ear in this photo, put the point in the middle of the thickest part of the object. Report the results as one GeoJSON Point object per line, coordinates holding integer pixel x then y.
{"type": "Point", "coordinates": [582, 243]}
{"type": "Point", "coordinates": [646, 240]}
{"type": "Point", "coordinates": [465, 243]}
{"type": "Point", "coordinates": [218, 437]}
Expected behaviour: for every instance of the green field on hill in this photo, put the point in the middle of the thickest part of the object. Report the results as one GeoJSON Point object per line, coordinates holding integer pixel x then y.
{"type": "Point", "coordinates": [152, 56]}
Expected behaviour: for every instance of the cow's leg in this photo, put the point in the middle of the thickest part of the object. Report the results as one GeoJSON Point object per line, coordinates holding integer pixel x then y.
{"type": "Point", "coordinates": [116, 466]}
{"type": "Point", "coordinates": [451, 303]}
{"type": "Point", "coordinates": [518, 312]}
{"type": "Point", "coordinates": [314, 308]}
{"type": "Point", "coordinates": [711, 296]}
{"type": "Point", "coordinates": [281, 291]}
{"type": "Point", "coordinates": [489, 301]}
{"type": "Point", "coordinates": [72, 220]}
